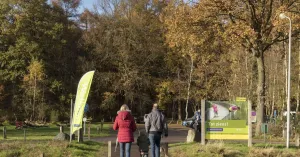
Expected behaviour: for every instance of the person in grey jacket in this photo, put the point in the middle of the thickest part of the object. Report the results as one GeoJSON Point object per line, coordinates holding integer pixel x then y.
{"type": "Point", "coordinates": [156, 125]}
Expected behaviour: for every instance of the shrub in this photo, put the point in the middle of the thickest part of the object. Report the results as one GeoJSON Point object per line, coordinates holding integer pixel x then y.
{"type": "Point", "coordinates": [54, 116]}
{"type": "Point", "coordinates": [6, 123]}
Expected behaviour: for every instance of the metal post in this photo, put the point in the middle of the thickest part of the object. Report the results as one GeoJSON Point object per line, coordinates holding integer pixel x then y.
{"type": "Point", "coordinates": [264, 133]}
{"type": "Point", "coordinates": [84, 127]}
{"type": "Point", "coordinates": [289, 87]}
{"type": "Point", "coordinates": [71, 120]}
{"type": "Point", "coordinates": [283, 16]}
{"type": "Point", "coordinates": [203, 122]}
{"type": "Point", "coordinates": [249, 123]}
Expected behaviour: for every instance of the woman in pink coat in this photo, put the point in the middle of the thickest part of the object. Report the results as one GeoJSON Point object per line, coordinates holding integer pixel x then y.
{"type": "Point", "coordinates": [125, 123]}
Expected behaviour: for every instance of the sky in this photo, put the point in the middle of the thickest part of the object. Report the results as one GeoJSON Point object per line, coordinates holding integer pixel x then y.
{"type": "Point", "coordinates": [86, 4]}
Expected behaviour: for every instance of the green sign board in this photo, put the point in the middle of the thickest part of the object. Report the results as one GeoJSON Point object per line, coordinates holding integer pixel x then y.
{"type": "Point", "coordinates": [226, 120]}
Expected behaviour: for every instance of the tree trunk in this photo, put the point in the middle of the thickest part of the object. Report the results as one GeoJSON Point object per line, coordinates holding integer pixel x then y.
{"type": "Point", "coordinates": [260, 91]}
{"type": "Point", "coordinates": [34, 95]}
{"type": "Point", "coordinates": [273, 92]}
{"type": "Point", "coordinates": [179, 101]}
{"type": "Point", "coordinates": [188, 89]}
{"type": "Point", "coordinates": [297, 108]}
{"type": "Point", "coordinates": [179, 110]}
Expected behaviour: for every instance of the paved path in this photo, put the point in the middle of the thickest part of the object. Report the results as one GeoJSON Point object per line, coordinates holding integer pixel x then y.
{"type": "Point", "coordinates": [177, 133]}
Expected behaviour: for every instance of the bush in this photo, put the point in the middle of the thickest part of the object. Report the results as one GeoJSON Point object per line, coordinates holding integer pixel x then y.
{"type": "Point", "coordinates": [6, 123]}
{"type": "Point", "coordinates": [54, 116]}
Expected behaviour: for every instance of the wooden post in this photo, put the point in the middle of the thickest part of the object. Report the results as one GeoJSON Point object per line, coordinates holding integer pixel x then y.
{"type": "Point", "coordinates": [98, 129]}
{"type": "Point", "coordinates": [166, 149]}
{"type": "Point", "coordinates": [89, 131]}
{"type": "Point", "coordinates": [203, 122]}
{"type": "Point", "coordinates": [249, 123]}
{"type": "Point", "coordinates": [102, 121]}
{"type": "Point", "coordinates": [61, 129]}
{"type": "Point", "coordinates": [109, 149]}
{"type": "Point", "coordinates": [25, 135]}
{"type": "Point", "coordinates": [80, 135]}
{"type": "Point", "coordinates": [42, 155]}
{"type": "Point", "coordinates": [4, 133]}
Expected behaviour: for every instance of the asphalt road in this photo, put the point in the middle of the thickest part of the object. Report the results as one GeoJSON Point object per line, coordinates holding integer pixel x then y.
{"type": "Point", "coordinates": [177, 133]}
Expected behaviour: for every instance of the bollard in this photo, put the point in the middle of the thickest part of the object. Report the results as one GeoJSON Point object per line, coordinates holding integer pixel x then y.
{"type": "Point", "coordinates": [4, 133]}
{"type": "Point", "coordinates": [109, 149]}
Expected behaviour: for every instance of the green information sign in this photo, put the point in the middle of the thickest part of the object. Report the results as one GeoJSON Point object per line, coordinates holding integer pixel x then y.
{"type": "Point", "coordinates": [226, 119]}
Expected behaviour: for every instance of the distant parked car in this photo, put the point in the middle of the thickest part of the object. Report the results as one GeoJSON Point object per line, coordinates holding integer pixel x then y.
{"type": "Point", "coordinates": [188, 123]}
{"type": "Point", "coordinates": [140, 119]}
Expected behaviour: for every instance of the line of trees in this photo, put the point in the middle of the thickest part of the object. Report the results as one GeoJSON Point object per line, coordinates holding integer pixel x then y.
{"type": "Point", "coordinates": [173, 52]}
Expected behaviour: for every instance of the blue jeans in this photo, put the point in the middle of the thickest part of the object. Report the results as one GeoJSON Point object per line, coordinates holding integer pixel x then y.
{"type": "Point", "coordinates": [124, 146]}
{"type": "Point", "coordinates": [155, 144]}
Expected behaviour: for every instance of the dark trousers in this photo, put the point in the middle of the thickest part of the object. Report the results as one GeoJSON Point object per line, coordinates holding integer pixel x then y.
{"type": "Point", "coordinates": [155, 144]}
{"type": "Point", "coordinates": [125, 147]}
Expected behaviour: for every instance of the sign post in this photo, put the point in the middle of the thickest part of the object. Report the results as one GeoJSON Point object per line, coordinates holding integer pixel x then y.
{"type": "Point", "coordinates": [203, 122]}
{"type": "Point", "coordinates": [264, 129]}
{"type": "Point", "coordinates": [84, 120]}
{"type": "Point", "coordinates": [249, 124]}
{"type": "Point", "coordinates": [71, 120]}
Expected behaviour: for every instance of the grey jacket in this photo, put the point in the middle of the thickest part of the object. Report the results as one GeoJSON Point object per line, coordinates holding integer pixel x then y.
{"type": "Point", "coordinates": [156, 123]}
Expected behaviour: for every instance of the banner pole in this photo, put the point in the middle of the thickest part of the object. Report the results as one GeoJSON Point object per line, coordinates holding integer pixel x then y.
{"type": "Point", "coordinates": [71, 121]}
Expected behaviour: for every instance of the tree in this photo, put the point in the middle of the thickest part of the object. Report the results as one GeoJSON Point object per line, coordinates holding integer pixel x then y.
{"type": "Point", "coordinates": [255, 25]}
{"type": "Point", "coordinates": [33, 86]}
{"type": "Point", "coordinates": [126, 48]}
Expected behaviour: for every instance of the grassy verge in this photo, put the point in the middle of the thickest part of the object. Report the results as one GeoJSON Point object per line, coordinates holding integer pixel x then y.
{"type": "Point", "coordinates": [49, 132]}
{"type": "Point", "coordinates": [51, 148]}
{"type": "Point", "coordinates": [221, 149]}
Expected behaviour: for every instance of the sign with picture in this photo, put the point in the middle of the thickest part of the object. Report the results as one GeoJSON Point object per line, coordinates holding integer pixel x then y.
{"type": "Point", "coordinates": [226, 120]}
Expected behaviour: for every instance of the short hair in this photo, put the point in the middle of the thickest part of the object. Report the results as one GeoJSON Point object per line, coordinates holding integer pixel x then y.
{"type": "Point", "coordinates": [142, 132]}
{"type": "Point", "coordinates": [124, 107]}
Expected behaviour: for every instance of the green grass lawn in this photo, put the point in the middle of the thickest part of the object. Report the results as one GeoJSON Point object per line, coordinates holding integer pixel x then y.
{"type": "Point", "coordinates": [51, 148]}
{"type": "Point", "coordinates": [221, 149]}
{"type": "Point", "coordinates": [49, 132]}
{"type": "Point", "coordinates": [39, 140]}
